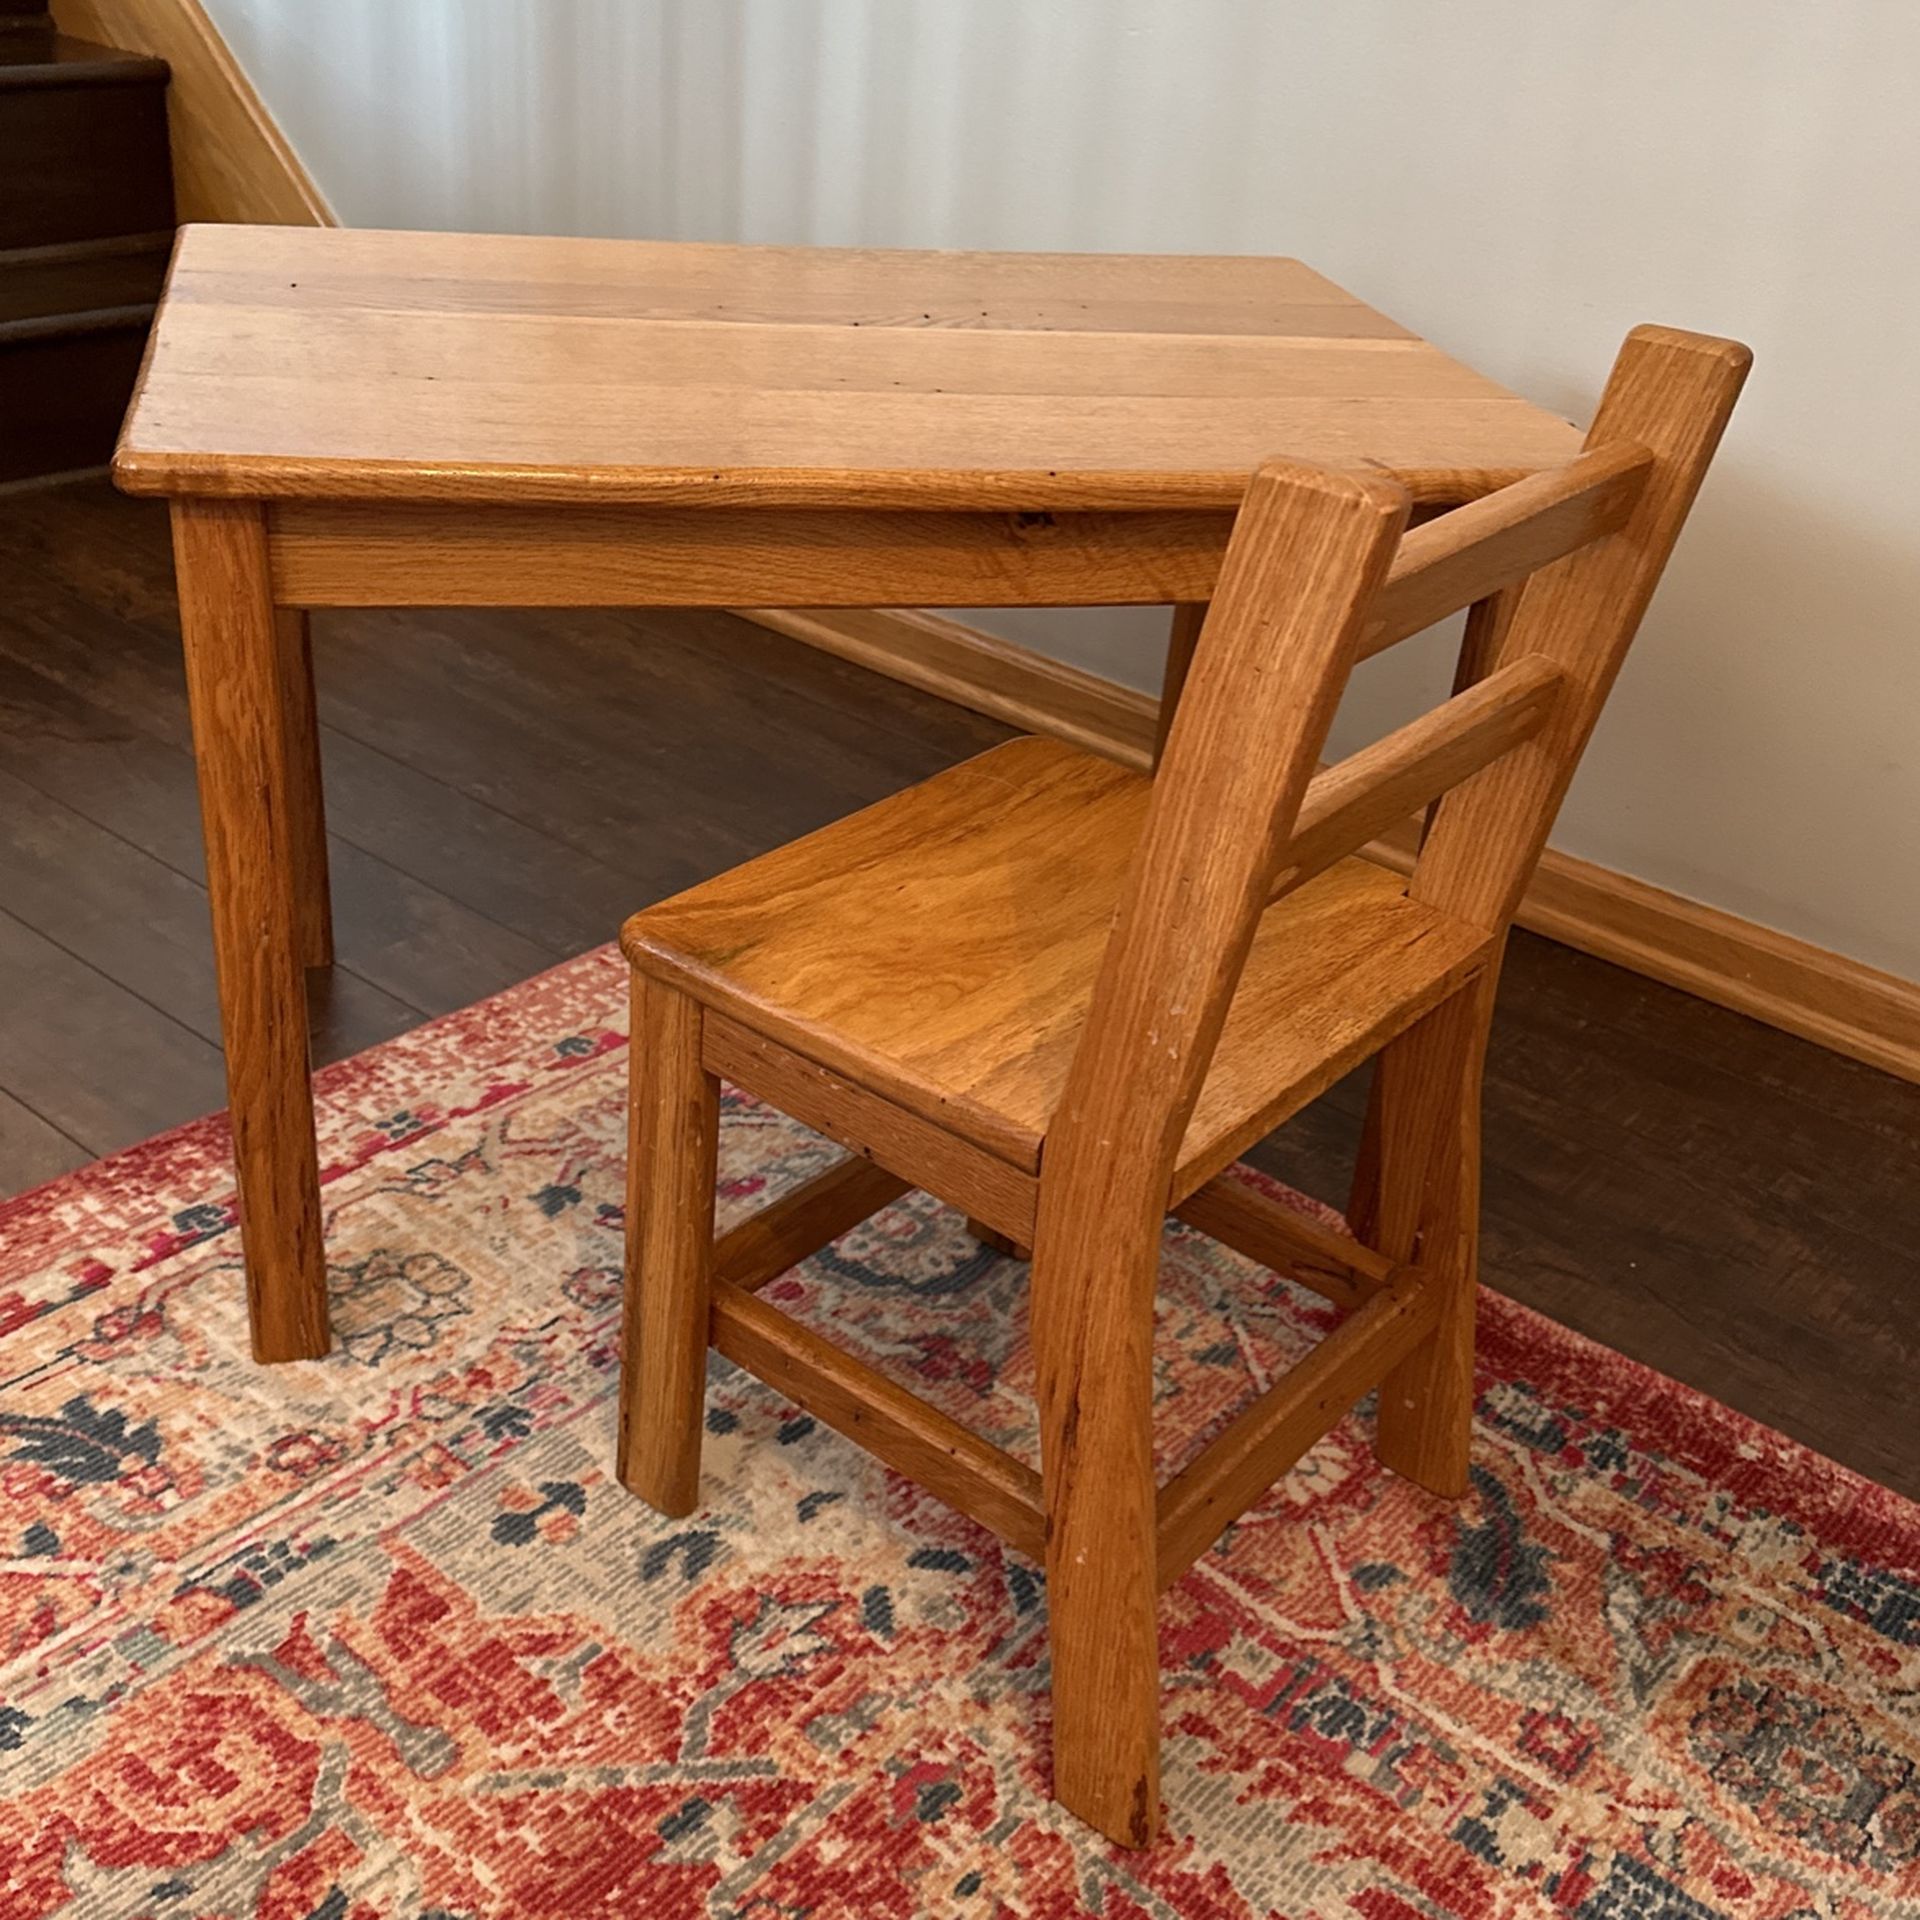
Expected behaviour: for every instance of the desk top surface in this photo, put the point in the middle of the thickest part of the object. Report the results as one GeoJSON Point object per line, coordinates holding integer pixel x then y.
{"type": "Point", "coordinates": [327, 363]}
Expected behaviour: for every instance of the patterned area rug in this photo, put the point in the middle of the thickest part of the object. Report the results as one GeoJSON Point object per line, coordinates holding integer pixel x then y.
{"type": "Point", "coordinates": [382, 1635]}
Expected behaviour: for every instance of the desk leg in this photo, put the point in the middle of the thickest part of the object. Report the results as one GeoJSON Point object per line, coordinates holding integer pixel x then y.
{"type": "Point", "coordinates": [306, 804]}
{"type": "Point", "coordinates": [1182, 637]}
{"type": "Point", "coordinates": [248, 809]}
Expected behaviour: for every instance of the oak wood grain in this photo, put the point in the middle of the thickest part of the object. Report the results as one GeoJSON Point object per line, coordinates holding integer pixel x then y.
{"type": "Point", "coordinates": [913, 1148]}
{"type": "Point", "coordinates": [313, 899]}
{"type": "Point", "coordinates": [1111, 982]}
{"type": "Point", "coordinates": [328, 364]}
{"type": "Point", "coordinates": [235, 692]}
{"type": "Point", "coordinates": [1272, 1432]}
{"type": "Point", "coordinates": [920, 1441]}
{"type": "Point", "coordinates": [1469, 555]}
{"type": "Point", "coordinates": [1288, 1241]}
{"type": "Point", "coordinates": [1183, 635]}
{"type": "Point", "coordinates": [1242, 748]}
{"type": "Point", "coordinates": [367, 554]}
{"type": "Point", "coordinates": [799, 1224]}
{"type": "Point", "coordinates": [673, 1141]}
{"type": "Point", "coordinates": [1001, 880]}
{"type": "Point", "coordinates": [1352, 803]}
{"type": "Point", "coordinates": [1422, 1201]}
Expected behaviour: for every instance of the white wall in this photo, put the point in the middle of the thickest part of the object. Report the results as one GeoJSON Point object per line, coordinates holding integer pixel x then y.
{"type": "Point", "coordinates": [1520, 180]}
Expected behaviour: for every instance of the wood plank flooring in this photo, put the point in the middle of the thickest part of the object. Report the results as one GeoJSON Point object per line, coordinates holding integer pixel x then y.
{"type": "Point", "coordinates": [1736, 1207]}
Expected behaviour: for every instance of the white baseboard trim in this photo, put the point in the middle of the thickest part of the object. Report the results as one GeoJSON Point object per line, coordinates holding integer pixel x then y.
{"type": "Point", "coordinates": [1822, 996]}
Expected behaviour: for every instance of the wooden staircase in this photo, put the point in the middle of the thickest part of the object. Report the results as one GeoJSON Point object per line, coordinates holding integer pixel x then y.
{"type": "Point", "coordinates": [86, 224]}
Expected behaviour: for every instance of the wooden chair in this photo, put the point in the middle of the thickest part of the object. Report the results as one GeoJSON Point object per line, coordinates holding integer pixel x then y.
{"type": "Point", "coordinates": [1065, 997]}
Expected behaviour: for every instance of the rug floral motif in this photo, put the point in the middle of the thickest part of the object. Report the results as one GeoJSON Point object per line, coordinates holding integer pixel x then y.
{"type": "Point", "coordinates": [382, 1635]}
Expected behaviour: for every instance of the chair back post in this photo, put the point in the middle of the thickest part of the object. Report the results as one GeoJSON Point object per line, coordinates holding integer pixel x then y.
{"type": "Point", "coordinates": [1309, 551]}
{"type": "Point", "coordinates": [1670, 392]}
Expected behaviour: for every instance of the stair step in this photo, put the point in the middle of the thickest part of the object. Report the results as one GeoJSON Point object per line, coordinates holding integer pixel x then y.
{"type": "Point", "coordinates": [83, 276]}
{"type": "Point", "coordinates": [37, 56]}
{"type": "Point", "coordinates": [137, 315]}
{"type": "Point", "coordinates": [83, 141]}
{"type": "Point", "coordinates": [63, 394]}
{"type": "Point", "coordinates": [86, 227]}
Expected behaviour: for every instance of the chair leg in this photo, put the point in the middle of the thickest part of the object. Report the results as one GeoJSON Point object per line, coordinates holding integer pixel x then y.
{"type": "Point", "coordinates": [1363, 1197]}
{"type": "Point", "coordinates": [1421, 1173]}
{"type": "Point", "coordinates": [1092, 1310]}
{"type": "Point", "coordinates": [673, 1136]}
{"type": "Point", "coordinates": [996, 1241]}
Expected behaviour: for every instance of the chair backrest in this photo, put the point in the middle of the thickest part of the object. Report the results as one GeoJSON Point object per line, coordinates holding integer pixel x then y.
{"type": "Point", "coordinates": [1316, 577]}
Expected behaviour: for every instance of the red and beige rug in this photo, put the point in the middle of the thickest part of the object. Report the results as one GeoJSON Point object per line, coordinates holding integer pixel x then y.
{"type": "Point", "coordinates": [381, 1635]}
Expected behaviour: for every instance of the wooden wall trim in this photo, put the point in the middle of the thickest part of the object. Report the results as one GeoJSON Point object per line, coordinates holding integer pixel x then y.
{"type": "Point", "coordinates": [981, 671]}
{"type": "Point", "coordinates": [1837, 1002]}
{"type": "Point", "coordinates": [230, 161]}
{"type": "Point", "coordinates": [1823, 996]}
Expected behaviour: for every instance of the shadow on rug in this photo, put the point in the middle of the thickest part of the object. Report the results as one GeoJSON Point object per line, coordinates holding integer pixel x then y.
{"type": "Point", "coordinates": [382, 1635]}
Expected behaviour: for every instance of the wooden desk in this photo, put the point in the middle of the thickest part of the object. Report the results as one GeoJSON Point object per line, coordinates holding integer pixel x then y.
{"type": "Point", "coordinates": [384, 419]}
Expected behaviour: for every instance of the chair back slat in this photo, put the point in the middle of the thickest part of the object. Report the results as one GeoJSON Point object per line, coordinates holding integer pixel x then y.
{"type": "Point", "coordinates": [1360, 797]}
{"type": "Point", "coordinates": [1469, 554]}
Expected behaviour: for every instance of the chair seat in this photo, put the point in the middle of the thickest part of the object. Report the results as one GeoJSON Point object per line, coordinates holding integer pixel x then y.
{"type": "Point", "coordinates": [940, 949]}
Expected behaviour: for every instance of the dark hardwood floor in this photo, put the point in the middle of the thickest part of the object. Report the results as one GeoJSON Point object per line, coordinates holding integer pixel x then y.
{"type": "Point", "coordinates": [1736, 1207]}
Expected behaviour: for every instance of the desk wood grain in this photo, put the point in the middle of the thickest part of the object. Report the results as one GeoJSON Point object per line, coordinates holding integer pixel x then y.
{"type": "Point", "coordinates": [329, 364]}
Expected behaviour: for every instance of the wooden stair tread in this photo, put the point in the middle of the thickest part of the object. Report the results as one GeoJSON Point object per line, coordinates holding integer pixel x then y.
{"type": "Point", "coordinates": [85, 237]}
{"type": "Point", "coordinates": [77, 278]}
{"type": "Point", "coordinates": [36, 56]}
{"type": "Point", "coordinates": [62, 395]}
{"type": "Point", "coordinates": [135, 317]}
{"type": "Point", "coordinates": [991, 887]}
{"type": "Point", "coordinates": [83, 142]}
